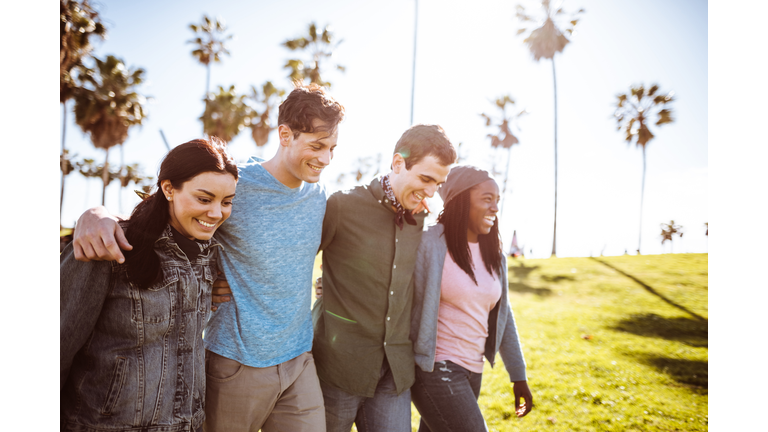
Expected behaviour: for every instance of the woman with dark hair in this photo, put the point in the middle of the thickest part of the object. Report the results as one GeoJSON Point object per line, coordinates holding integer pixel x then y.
{"type": "Point", "coordinates": [460, 310]}
{"type": "Point", "coordinates": [132, 354]}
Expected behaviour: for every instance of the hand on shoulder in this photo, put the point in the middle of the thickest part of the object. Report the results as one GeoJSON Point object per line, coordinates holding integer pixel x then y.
{"type": "Point", "coordinates": [98, 237]}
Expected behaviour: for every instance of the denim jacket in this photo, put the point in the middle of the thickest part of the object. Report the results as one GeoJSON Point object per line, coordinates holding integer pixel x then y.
{"type": "Point", "coordinates": [428, 274]}
{"type": "Point", "coordinates": [134, 359]}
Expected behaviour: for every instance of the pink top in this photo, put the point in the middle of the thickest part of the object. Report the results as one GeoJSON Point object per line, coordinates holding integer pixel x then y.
{"type": "Point", "coordinates": [462, 321]}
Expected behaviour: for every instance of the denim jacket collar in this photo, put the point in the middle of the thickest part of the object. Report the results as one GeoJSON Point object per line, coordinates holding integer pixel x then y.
{"type": "Point", "coordinates": [166, 241]}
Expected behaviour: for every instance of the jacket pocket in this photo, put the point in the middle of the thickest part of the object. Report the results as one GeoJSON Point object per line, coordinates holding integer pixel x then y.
{"type": "Point", "coordinates": [156, 300]}
{"type": "Point", "coordinates": [115, 385]}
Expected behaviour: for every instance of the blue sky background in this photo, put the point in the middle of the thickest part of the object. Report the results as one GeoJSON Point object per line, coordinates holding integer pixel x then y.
{"type": "Point", "coordinates": [467, 55]}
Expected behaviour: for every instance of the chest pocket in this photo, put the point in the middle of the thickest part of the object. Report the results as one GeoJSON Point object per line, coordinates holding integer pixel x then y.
{"type": "Point", "coordinates": [156, 301]}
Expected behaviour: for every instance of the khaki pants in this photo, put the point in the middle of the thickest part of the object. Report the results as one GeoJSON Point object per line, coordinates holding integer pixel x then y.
{"type": "Point", "coordinates": [285, 397]}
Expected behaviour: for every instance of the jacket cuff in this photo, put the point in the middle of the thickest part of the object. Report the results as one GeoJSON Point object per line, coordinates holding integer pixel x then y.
{"type": "Point", "coordinates": [517, 374]}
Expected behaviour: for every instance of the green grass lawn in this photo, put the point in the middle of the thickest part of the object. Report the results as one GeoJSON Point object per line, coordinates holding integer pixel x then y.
{"type": "Point", "coordinates": [611, 344]}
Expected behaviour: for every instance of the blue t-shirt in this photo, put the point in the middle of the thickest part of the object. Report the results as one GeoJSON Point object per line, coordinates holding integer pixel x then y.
{"type": "Point", "coordinates": [269, 246]}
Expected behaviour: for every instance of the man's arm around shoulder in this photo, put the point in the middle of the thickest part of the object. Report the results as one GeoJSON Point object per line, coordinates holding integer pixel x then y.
{"type": "Point", "coordinates": [98, 237]}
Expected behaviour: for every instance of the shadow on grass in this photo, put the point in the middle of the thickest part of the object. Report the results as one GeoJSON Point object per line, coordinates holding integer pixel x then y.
{"type": "Point", "coordinates": [558, 278]}
{"type": "Point", "coordinates": [651, 290]}
{"type": "Point", "coordinates": [521, 272]}
{"type": "Point", "coordinates": [691, 373]}
{"type": "Point", "coordinates": [688, 331]}
{"type": "Point", "coordinates": [523, 288]}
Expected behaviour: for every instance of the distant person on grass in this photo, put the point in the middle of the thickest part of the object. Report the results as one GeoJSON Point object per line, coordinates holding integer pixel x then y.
{"type": "Point", "coordinates": [260, 370]}
{"type": "Point", "coordinates": [461, 310]}
{"type": "Point", "coordinates": [132, 355]}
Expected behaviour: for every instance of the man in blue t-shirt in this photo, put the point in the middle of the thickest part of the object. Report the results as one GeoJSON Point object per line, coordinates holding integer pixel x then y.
{"type": "Point", "coordinates": [260, 371]}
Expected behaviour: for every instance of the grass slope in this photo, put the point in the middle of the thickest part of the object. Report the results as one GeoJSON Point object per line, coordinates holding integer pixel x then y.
{"type": "Point", "coordinates": [611, 344]}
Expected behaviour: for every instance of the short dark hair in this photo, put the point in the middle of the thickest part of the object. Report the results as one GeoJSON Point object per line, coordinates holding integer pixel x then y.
{"type": "Point", "coordinates": [307, 103]}
{"type": "Point", "coordinates": [420, 141]}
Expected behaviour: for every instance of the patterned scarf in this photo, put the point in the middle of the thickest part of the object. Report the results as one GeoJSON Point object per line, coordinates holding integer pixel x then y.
{"type": "Point", "coordinates": [401, 213]}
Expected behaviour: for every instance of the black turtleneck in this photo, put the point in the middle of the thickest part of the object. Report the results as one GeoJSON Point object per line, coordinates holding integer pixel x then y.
{"type": "Point", "coordinates": [190, 247]}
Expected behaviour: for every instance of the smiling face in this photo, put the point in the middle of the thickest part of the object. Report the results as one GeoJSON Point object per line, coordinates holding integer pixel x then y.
{"type": "Point", "coordinates": [201, 205]}
{"type": "Point", "coordinates": [483, 206]}
{"type": "Point", "coordinates": [306, 155]}
{"type": "Point", "coordinates": [422, 180]}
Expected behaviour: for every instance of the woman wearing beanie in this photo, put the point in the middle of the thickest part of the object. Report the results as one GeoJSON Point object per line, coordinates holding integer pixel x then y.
{"type": "Point", "coordinates": [461, 311]}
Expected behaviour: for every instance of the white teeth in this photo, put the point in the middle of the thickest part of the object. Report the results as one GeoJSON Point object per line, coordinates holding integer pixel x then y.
{"type": "Point", "coordinates": [419, 196]}
{"type": "Point", "coordinates": [315, 168]}
{"type": "Point", "coordinates": [491, 218]}
{"type": "Point", "coordinates": [206, 224]}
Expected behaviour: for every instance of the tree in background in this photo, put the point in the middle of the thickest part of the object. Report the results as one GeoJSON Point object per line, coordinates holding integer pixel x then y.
{"type": "Point", "coordinates": [226, 114]}
{"type": "Point", "coordinates": [107, 106]}
{"type": "Point", "coordinates": [209, 44]}
{"type": "Point", "coordinates": [320, 48]}
{"type": "Point", "coordinates": [78, 24]}
{"type": "Point", "coordinates": [88, 169]}
{"type": "Point", "coordinates": [669, 230]}
{"type": "Point", "coordinates": [545, 37]}
{"type": "Point", "coordinates": [266, 101]}
{"type": "Point", "coordinates": [504, 139]}
{"type": "Point", "coordinates": [635, 111]}
{"type": "Point", "coordinates": [132, 173]}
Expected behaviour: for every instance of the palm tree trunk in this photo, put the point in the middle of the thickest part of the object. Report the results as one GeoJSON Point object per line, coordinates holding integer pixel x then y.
{"type": "Point", "coordinates": [413, 75]}
{"type": "Point", "coordinates": [120, 189]}
{"type": "Point", "coordinates": [504, 188]}
{"type": "Point", "coordinates": [207, 89]}
{"type": "Point", "coordinates": [63, 147]}
{"type": "Point", "coordinates": [105, 177]}
{"type": "Point", "coordinates": [642, 194]}
{"type": "Point", "coordinates": [554, 229]}
{"type": "Point", "coordinates": [207, 79]}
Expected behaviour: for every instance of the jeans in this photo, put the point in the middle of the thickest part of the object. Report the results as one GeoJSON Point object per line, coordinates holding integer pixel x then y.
{"type": "Point", "coordinates": [447, 399]}
{"type": "Point", "coordinates": [386, 411]}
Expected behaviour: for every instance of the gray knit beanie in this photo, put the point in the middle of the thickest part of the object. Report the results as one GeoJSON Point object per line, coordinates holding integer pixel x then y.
{"type": "Point", "coordinates": [461, 178]}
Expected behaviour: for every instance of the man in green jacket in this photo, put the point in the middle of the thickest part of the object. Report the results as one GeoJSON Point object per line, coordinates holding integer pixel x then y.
{"type": "Point", "coordinates": [370, 236]}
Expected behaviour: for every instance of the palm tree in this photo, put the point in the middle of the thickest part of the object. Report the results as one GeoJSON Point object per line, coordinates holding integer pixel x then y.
{"type": "Point", "coordinates": [131, 173]}
{"type": "Point", "coordinates": [226, 114]}
{"type": "Point", "coordinates": [107, 106]}
{"type": "Point", "coordinates": [209, 44]}
{"type": "Point", "coordinates": [545, 37]}
{"type": "Point", "coordinates": [668, 230]}
{"type": "Point", "coordinates": [635, 112]}
{"type": "Point", "coordinates": [320, 48]}
{"type": "Point", "coordinates": [504, 139]}
{"type": "Point", "coordinates": [268, 100]}
{"type": "Point", "coordinates": [79, 22]}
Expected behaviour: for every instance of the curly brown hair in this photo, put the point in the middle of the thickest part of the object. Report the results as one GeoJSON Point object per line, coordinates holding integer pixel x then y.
{"type": "Point", "coordinates": [307, 103]}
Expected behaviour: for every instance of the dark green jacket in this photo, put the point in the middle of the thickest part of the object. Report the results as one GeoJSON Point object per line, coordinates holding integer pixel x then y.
{"type": "Point", "coordinates": [365, 310]}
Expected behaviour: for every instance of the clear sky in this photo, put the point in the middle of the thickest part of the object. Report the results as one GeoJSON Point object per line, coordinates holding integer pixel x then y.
{"type": "Point", "coordinates": [467, 55]}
